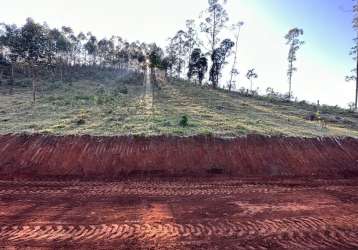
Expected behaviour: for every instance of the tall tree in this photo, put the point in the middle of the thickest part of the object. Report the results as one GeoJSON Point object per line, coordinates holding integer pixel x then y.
{"type": "Point", "coordinates": [179, 45]}
{"type": "Point", "coordinates": [215, 18]}
{"type": "Point", "coordinates": [34, 46]}
{"type": "Point", "coordinates": [218, 59]}
{"type": "Point", "coordinates": [236, 28]}
{"type": "Point", "coordinates": [11, 40]}
{"type": "Point", "coordinates": [251, 74]}
{"type": "Point", "coordinates": [354, 53]}
{"type": "Point", "coordinates": [293, 40]}
{"type": "Point", "coordinates": [192, 38]}
{"type": "Point", "coordinates": [198, 65]}
{"type": "Point", "coordinates": [92, 47]}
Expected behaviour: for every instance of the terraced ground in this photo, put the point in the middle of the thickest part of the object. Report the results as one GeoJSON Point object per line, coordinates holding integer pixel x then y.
{"type": "Point", "coordinates": [118, 107]}
{"type": "Point", "coordinates": [180, 214]}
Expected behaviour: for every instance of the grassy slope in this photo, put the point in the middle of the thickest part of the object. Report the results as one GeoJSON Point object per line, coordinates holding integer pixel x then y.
{"type": "Point", "coordinates": [106, 111]}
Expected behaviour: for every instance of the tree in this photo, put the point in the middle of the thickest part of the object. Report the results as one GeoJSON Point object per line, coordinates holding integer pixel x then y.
{"type": "Point", "coordinates": [202, 66]}
{"type": "Point", "coordinates": [192, 38]}
{"type": "Point", "coordinates": [59, 45]}
{"type": "Point", "coordinates": [295, 44]}
{"type": "Point", "coordinates": [179, 46]}
{"type": "Point", "coordinates": [214, 21]}
{"type": "Point", "coordinates": [92, 47]}
{"type": "Point", "coordinates": [218, 59]}
{"type": "Point", "coordinates": [198, 65]}
{"type": "Point", "coordinates": [156, 55]}
{"type": "Point", "coordinates": [11, 40]}
{"type": "Point", "coordinates": [34, 49]}
{"type": "Point", "coordinates": [251, 74]}
{"type": "Point", "coordinates": [234, 71]}
{"type": "Point", "coordinates": [354, 53]}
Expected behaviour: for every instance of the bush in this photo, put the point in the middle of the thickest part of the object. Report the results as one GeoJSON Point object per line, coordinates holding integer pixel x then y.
{"type": "Point", "coordinates": [120, 90]}
{"type": "Point", "coordinates": [311, 117]}
{"type": "Point", "coordinates": [80, 121]}
{"type": "Point", "coordinates": [184, 121]}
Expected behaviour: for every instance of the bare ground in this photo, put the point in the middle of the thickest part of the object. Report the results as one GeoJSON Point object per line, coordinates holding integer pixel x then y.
{"type": "Point", "coordinates": [223, 213]}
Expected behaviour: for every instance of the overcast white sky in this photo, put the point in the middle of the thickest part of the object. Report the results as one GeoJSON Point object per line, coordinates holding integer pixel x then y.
{"type": "Point", "coordinates": [322, 63]}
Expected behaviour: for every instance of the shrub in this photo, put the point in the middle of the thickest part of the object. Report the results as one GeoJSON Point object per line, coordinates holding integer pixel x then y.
{"type": "Point", "coordinates": [311, 117]}
{"type": "Point", "coordinates": [184, 121]}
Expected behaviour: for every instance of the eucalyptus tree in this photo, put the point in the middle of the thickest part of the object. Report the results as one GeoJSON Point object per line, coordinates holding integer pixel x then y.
{"type": "Point", "coordinates": [91, 47]}
{"type": "Point", "coordinates": [236, 28]}
{"type": "Point", "coordinates": [192, 38]}
{"type": "Point", "coordinates": [12, 46]}
{"type": "Point", "coordinates": [103, 51]}
{"type": "Point", "coordinates": [81, 37]}
{"type": "Point", "coordinates": [156, 55]}
{"type": "Point", "coordinates": [293, 40]}
{"type": "Point", "coordinates": [354, 53]}
{"type": "Point", "coordinates": [60, 47]}
{"type": "Point", "coordinates": [194, 58]}
{"type": "Point", "coordinates": [34, 44]}
{"type": "Point", "coordinates": [215, 17]}
{"type": "Point", "coordinates": [198, 65]}
{"type": "Point", "coordinates": [251, 74]}
{"type": "Point", "coordinates": [218, 59]}
{"type": "Point", "coordinates": [180, 49]}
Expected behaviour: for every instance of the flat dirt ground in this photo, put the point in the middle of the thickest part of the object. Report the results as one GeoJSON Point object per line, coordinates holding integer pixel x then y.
{"type": "Point", "coordinates": [180, 214]}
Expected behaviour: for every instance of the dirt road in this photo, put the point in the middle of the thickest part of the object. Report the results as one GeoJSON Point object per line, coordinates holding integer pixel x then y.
{"type": "Point", "coordinates": [180, 214]}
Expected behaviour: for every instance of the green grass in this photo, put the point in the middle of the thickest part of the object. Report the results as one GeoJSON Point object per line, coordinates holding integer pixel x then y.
{"type": "Point", "coordinates": [115, 108]}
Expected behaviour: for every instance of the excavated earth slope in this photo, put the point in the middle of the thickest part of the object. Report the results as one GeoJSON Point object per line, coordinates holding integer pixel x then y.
{"type": "Point", "coordinates": [42, 156]}
{"type": "Point", "coordinates": [214, 209]}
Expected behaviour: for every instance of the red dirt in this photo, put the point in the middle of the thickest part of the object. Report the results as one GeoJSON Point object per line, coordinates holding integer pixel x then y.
{"type": "Point", "coordinates": [225, 213]}
{"type": "Point", "coordinates": [38, 156]}
{"type": "Point", "coordinates": [292, 196]}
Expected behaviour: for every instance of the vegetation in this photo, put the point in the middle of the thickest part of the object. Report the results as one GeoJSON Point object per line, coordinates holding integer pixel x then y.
{"type": "Point", "coordinates": [82, 84]}
{"type": "Point", "coordinates": [116, 107]}
{"type": "Point", "coordinates": [295, 43]}
{"type": "Point", "coordinates": [354, 53]}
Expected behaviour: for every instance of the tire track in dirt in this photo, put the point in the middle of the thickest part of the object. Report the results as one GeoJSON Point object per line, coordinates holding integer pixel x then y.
{"type": "Point", "coordinates": [298, 232]}
{"type": "Point", "coordinates": [150, 189]}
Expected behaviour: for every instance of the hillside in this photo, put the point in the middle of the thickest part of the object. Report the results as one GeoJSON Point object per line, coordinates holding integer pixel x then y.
{"type": "Point", "coordinates": [117, 107]}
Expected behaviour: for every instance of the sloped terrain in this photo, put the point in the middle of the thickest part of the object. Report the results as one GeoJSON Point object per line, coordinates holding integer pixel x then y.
{"type": "Point", "coordinates": [116, 107]}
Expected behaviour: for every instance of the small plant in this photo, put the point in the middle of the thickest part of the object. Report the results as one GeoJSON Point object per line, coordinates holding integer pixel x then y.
{"type": "Point", "coordinates": [80, 122]}
{"type": "Point", "coordinates": [121, 89]}
{"type": "Point", "coordinates": [184, 120]}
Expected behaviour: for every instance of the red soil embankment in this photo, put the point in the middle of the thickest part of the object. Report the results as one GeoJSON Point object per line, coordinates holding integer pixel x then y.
{"type": "Point", "coordinates": [37, 156]}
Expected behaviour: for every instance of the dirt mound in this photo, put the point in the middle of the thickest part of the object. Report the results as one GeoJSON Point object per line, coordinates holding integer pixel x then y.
{"type": "Point", "coordinates": [40, 156]}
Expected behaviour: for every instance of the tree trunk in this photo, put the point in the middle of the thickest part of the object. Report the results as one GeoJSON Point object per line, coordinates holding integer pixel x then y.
{"type": "Point", "coordinates": [33, 85]}
{"type": "Point", "coordinates": [61, 72]}
{"type": "Point", "coordinates": [12, 79]}
{"type": "Point", "coordinates": [356, 101]}
{"type": "Point", "coordinates": [235, 59]}
{"type": "Point", "coordinates": [290, 81]}
{"type": "Point", "coordinates": [1, 74]}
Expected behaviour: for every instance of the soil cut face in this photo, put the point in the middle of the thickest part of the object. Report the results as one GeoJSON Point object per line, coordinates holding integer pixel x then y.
{"type": "Point", "coordinates": [86, 157]}
{"type": "Point", "coordinates": [180, 214]}
{"type": "Point", "coordinates": [252, 192]}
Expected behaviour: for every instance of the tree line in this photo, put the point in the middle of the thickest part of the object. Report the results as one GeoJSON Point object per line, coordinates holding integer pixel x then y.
{"type": "Point", "coordinates": [191, 51]}
{"type": "Point", "coordinates": [196, 53]}
{"type": "Point", "coordinates": [35, 49]}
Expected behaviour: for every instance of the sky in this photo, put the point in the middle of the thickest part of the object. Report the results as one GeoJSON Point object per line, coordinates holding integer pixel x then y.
{"type": "Point", "coordinates": [323, 62]}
